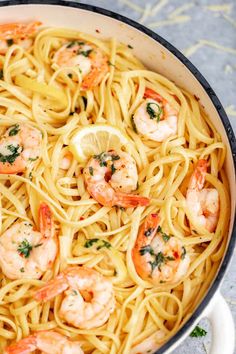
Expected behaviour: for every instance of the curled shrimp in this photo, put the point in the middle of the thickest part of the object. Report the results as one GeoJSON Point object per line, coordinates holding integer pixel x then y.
{"type": "Point", "coordinates": [26, 253]}
{"type": "Point", "coordinates": [17, 33]}
{"type": "Point", "coordinates": [46, 341]}
{"type": "Point", "coordinates": [155, 119]}
{"type": "Point", "coordinates": [91, 61]}
{"type": "Point", "coordinates": [20, 147]}
{"type": "Point", "coordinates": [110, 177]}
{"type": "Point", "coordinates": [157, 256]}
{"type": "Point", "coordinates": [203, 203]}
{"type": "Point", "coordinates": [89, 297]}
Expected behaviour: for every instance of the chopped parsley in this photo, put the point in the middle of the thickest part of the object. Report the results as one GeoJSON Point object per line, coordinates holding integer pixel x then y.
{"type": "Point", "coordinates": [70, 75]}
{"type": "Point", "coordinates": [33, 158]}
{"type": "Point", "coordinates": [158, 259]}
{"type": "Point", "coordinates": [183, 253]}
{"type": "Point", "coordinates": [71, 44]}
{"type": "Point", "coordinates": [14, 153]}
{"type": "Point", "coordinates": [105, 244]}
{"type": "Point", "coordinates": [22, 270]}
{"type": "Point", "coordinates": [74, 293]}
{"type": "Point", "coordinates": [148, 232]}
{"type": "Point", "coordinates": [1, 74]}
{"type": "Point", "coordinates": [152, 113]}
{"type": "Point", "coordinates": [198, 332]}
{"type": "Point", "coordinates": [91, 170]}
{"type": "Point", "coordinates": [103, 158]}
{"type": "Point", "coordinates": [147, 249]}
{"type": "Point", "coordinates": [85, 53]}
{"type": "Point", "coordinates": [14, 130]}
{"type": "Point", "coordinates": [24, 248]}
{"type": "Point", "coordinates": [130, 46]}
{"type": "Point", "coordinates": [90, 243]}
{"type": "Point", "coordinates": [71, 113]}
{"type": "Point", "coordinates": [10, 42]}
{"type": "Point", "coordinates": [163, 234]}
{"type": "Point", "coordinates": [30, 176]}
{"type": "Point", "coordinates": [102, 244]}
{"type": "Point", "coordinates": [113, 169]}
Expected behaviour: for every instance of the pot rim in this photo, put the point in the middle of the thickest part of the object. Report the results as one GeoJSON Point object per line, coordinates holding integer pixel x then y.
{"type": "Point", "coordinates": [217, 104]}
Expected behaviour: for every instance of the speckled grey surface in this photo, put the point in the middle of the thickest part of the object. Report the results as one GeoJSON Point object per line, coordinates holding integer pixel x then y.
{"type": "Point", "coordinates": [218, 67]}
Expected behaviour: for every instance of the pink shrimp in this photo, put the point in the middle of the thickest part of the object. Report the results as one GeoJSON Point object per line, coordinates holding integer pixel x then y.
{"type": "Point", "coordinates": [26, 253]}
{"type": "Point", "coordinates": [78, 285]}
{"type": "Point", "coordinates": [20, 147]}
{"type": "Point", "coordinates": [155, 119]}
{"type": "Point", "coordinates": [110, 177]}
{"type": "Point", "coordinates": [203, 203]}
{"type": "Point", "coordinates": [89, 59]}
{"type": "Point", "coordinates": [17, 33]}
{"type": "Point", "coordinates": [159, 257]}
{"type": "Point", "coordinates": [46, 341]}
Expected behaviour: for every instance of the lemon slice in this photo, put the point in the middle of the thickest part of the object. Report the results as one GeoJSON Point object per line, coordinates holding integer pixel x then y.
{"type": "Point", "coordinates": [94, 139]}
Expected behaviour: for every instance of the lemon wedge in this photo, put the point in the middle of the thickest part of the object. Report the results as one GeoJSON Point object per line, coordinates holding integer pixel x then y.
{"type": "Point", "coordinates": [94, 139]}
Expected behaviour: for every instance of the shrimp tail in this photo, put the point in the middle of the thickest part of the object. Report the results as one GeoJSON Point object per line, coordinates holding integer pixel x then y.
{"type": "Point", "coordinates": [197, 179]}
{"type": "Point", "coordinates": [52, 289]}
{"type": "Point", "coordinates": [24, 346]}
{"type": "Point", "coordinates": [151, 222]}
{"type": "Point", "coordinates": [46, 223]}
{"type": "Point", "coordinates": [130, 200]}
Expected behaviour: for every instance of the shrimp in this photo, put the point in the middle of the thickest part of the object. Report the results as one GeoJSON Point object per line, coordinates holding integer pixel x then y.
{"type": "Point", "coordinates": [150, 344]}
{"type": "Point", "coordinates": [17, 33]}
{"type": "Point", "coordinates": [46, 341]}
{"type": "Point", "coordinates": [89, 297]}
{"type": "Point", "coordinates": [110, 177]}
{"type": "Point", "coordinates": [155, 119]}
{"type": "Point", "coordinates": [203, 203]}
{"type": "Point", "coordinates": [26, 253]}
{"type": "Point", "coordinates": [157, 256]}
{"type": "Point", "coordinates": [20, 147]}
{"type": "Point", "coordinates": [91, 61]}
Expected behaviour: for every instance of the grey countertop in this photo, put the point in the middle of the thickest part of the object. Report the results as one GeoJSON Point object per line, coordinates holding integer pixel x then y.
{"type": "Point", "coordinates": [203, 20]}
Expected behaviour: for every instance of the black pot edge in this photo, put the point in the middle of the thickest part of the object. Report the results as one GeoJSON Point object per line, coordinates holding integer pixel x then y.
{"type": "Point", "coordinates": [216, 102]}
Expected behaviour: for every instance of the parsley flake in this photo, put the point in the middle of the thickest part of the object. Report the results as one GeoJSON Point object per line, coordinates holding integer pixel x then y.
{"type": "Point", "coordinates": [24, 248]}
{"type": "Point", "coordinates": [14, 153]}
{"type": "Point", "coordinates": [91, 170]}
{"type": "Point", "coordinates": [148, 232]}
{"type": "Point", "coordinates": [198, 332]}
{"type": "Point", "coordinates": [14, 130]}
{"type": "Point", "coordinates": [152, 113]}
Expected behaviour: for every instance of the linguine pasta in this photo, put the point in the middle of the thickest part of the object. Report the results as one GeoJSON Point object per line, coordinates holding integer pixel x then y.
{"type": "Point", "coordinates": [35, 90]}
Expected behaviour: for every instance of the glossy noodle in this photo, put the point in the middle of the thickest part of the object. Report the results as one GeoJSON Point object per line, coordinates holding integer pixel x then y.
{"type": "Point", "coordinates": [57, 98]}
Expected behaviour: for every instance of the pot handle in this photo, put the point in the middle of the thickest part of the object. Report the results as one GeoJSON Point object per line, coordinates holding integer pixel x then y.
{"type": "Point", "coordinates": [223, 330]}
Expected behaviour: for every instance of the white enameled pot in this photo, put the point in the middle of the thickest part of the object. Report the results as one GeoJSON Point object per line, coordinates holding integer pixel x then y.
{"type": "Point", "coordinates": [158, 55]}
